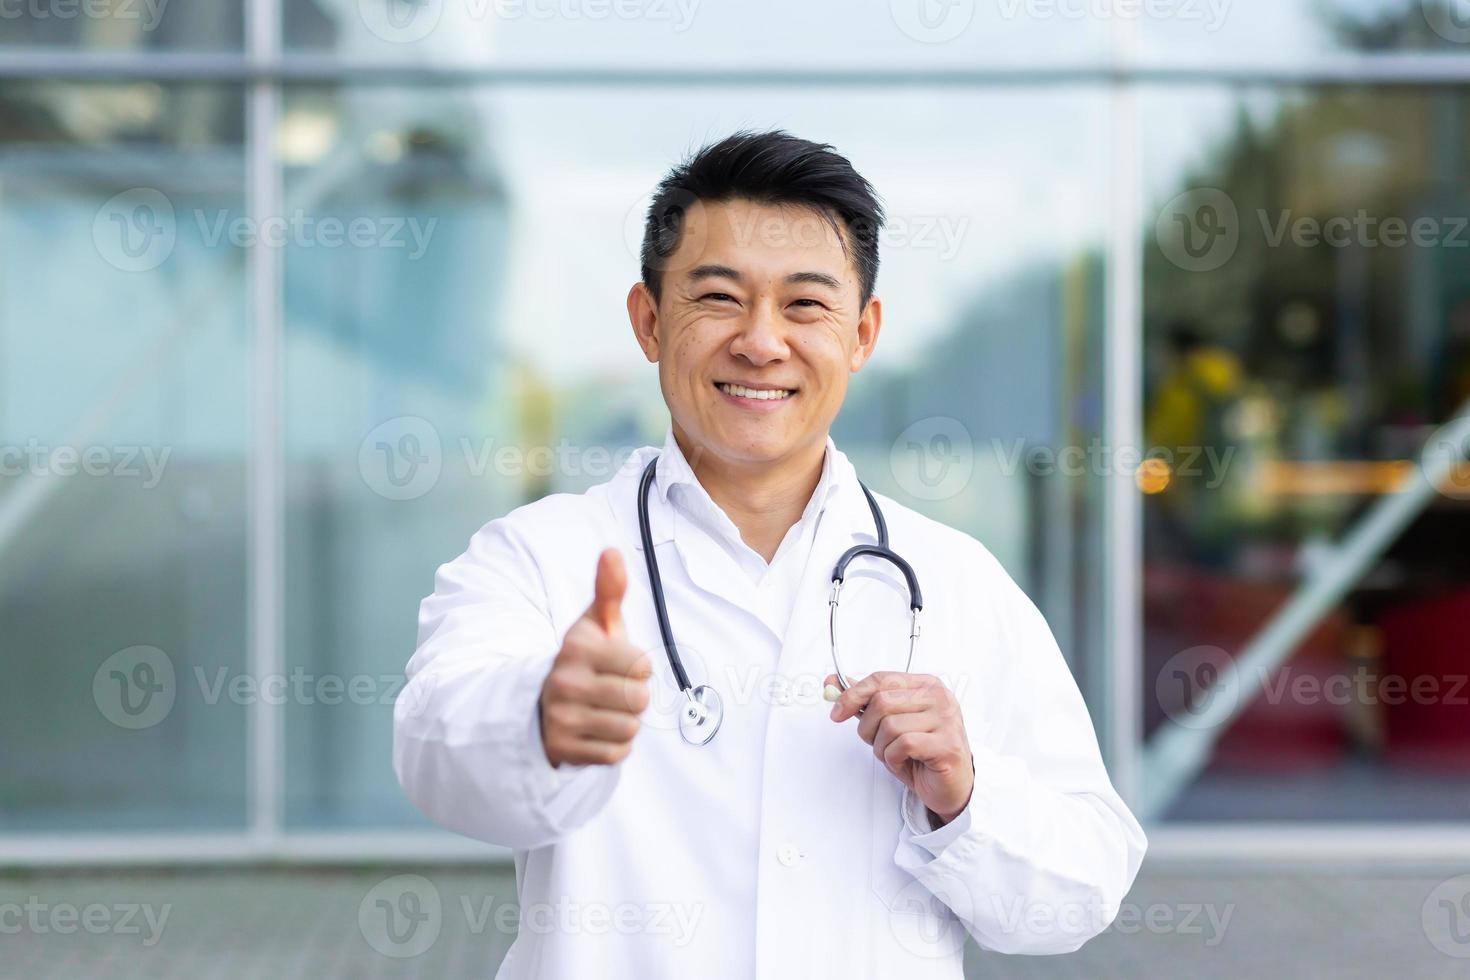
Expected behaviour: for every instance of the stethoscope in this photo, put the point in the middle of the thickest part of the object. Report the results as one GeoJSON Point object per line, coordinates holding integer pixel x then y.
{"type": "Point", "coordinates": [703, 710]}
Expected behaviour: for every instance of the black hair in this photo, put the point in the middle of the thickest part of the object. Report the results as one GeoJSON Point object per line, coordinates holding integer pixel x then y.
{"type": "Point", "coordinates": [773, 167]}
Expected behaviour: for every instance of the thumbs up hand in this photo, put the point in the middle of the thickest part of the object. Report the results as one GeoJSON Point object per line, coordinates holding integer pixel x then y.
{"type": "Point", "coordinates": [598, 685]}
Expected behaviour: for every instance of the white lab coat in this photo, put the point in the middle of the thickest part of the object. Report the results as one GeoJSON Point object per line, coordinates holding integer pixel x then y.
{"type": "Point", "coordinates": [783, 848]}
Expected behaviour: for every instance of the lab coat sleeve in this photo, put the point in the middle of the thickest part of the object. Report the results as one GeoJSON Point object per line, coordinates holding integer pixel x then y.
{"type": "Point", "coordinates": [466, 736]}
{"type": "Point", "coordinates": [1041, 858]}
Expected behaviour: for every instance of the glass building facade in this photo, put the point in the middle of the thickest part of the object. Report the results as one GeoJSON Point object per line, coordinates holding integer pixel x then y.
{"type": "Point", "coordinates": [297, 294]}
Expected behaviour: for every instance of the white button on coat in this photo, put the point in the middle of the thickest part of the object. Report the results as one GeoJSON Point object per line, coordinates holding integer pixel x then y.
{"type": "Point", "coordinates": [659, 866]}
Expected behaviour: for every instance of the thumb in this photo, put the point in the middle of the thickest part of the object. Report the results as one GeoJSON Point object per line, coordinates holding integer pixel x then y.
{"type": "Point", "coordinates": [612, 581]}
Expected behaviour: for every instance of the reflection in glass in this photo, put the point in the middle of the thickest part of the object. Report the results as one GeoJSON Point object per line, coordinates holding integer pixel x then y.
{"type": "Point", "coordinates": [1248, 30]}
{"type": "Point", "coordinates": [123, 434]}
{"type": "Point", "coordinates": [1308, 331]}
{"type": "Point", "coordinates": [690, 34]}
{"type": "Point", "coordinates": [122, 25]}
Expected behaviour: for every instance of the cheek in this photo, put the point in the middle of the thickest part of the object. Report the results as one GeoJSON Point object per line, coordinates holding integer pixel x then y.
{"type": "Point", "coordinates": [828, 358]}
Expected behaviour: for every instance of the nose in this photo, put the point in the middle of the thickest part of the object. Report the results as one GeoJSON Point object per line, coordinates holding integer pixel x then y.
{"type": "Point", "coordinates": [761, 339]}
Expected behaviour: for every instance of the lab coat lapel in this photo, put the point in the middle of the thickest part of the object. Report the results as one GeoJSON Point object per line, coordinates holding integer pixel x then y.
{"type": "Point", "coordinates": [703, 563]}
{"type": "Point", "coordinates": [709, 568]}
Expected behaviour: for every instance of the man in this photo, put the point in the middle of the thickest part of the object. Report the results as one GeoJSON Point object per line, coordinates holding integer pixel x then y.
{"type": "Point", "coordinates": [542, 712]}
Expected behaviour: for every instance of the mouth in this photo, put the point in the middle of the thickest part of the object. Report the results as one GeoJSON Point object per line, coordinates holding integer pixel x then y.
{"type": "Point", "coordinates": [761, 393]}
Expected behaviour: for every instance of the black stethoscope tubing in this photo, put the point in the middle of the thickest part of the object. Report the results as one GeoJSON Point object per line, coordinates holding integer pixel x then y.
{"type": "Point", "coordinates": [839, 572]}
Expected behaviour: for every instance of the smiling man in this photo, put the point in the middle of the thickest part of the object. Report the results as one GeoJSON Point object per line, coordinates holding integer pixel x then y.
{"type": "Point", "coordinates": [655, 746]}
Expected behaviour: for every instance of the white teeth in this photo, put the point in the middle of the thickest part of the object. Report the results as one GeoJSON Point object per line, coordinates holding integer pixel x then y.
{"type": "Point", "coordinates": [763, 394]}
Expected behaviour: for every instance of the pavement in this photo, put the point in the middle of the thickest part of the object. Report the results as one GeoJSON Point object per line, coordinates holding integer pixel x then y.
{"type": "Point", "coordinates": [324, 923]}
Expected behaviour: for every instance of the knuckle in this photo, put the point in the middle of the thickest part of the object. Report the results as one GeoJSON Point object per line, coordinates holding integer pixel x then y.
{"type": "Point", "coordinates": [578, 636]}
{"type": "Point", "coordinates": [560, 716]}
{"type": "Point", "coordinates": [638, 696]}
{"type": "Point", "coordinates": [562, 685]}
{"type": "Point", "coordinates": [609, 755]}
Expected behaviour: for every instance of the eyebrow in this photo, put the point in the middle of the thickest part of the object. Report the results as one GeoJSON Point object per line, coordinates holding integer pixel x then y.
{"type": "Point", "coordinates": [700, 272]}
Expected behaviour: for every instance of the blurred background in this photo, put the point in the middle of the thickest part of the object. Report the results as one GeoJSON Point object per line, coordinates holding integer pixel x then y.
{"type": "Point", "coordinates": [296, 294]}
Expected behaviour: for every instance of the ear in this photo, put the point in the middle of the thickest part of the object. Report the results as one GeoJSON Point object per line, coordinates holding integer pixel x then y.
{"type": "Point", "coordinates": [643, 315]}
{"type": "Point", "coordinates": [868, 327]}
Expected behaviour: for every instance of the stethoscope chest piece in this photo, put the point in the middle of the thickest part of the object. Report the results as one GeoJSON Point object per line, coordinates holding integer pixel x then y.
{"type": "Point", "coordinates": [700, 715]}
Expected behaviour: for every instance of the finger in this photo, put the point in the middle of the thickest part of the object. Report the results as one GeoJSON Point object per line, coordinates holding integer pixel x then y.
{"type": "Point", "coordinates": [581, 721]}
{"type": "Point", "coordinates": [918, 747]}
{"type": "Point", "coordinates": [607, 602]}
{"type": "Point", "coordinates": [582, 685]}
{"type": "Point", "coordinates": [856, 697]}
{"type": "Point", "coordinates": [617, 692]}
{"type": "Point", "coordinates": [620, 659]}
{"type": "Point", "coordinates": [893, 704]}
{"type": "Point", "coordinates": [593, 752]}
{"type": "Point", "coordinates": [895, 726]}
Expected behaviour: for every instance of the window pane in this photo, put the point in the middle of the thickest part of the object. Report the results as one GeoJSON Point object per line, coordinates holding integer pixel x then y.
{"type": "Point", "coordinates": [1253, 29]}
{"type": "Point", "coordinates": [471, 352]}
{"type": "Point", "coordinates": [122, 428]}
{"type": "Point", "coordinates": [665, 34]}
{"type": "Point", "coordinates": [122, 25]}
{"type": "Point", "coordinates": [1308, 331]}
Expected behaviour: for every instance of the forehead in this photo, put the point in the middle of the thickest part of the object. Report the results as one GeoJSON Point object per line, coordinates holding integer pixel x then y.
{"type": "Point", "coordinates": [743, 234]}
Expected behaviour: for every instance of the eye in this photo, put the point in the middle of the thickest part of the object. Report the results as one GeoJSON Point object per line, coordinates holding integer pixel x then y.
{"type": "Point", "coordinates": [718, 297]}
{"type": "Point", "coordinates": [811, 304]}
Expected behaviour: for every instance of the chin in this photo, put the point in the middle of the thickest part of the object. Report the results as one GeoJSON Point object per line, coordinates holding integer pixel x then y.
{"type": "Point", "coordinates": [755, 447]}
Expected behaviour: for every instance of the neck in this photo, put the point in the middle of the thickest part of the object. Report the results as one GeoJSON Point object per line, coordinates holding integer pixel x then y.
{"type": "Point", "coordinates": [763, 501]}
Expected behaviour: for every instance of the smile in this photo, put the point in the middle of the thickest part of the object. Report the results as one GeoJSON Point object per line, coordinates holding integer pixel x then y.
{"type": "Point", "coordinates": [760, 394]}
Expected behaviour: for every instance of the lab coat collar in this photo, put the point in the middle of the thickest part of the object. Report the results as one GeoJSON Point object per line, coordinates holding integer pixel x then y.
{"type": "Point", "coordinates": [838, 493]}
{"type": "Point", "coordinates": [674, 470]}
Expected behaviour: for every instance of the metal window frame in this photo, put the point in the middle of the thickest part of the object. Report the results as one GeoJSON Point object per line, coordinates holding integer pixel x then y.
{"type": "Point", "coordinates": [264, 68]}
